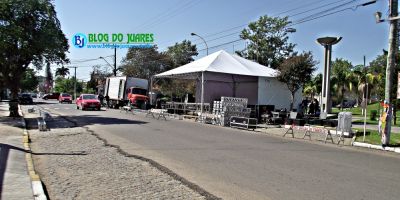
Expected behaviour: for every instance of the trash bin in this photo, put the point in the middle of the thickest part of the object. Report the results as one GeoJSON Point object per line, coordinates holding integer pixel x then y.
{"type": "Point", "coordinates": [344, 122]}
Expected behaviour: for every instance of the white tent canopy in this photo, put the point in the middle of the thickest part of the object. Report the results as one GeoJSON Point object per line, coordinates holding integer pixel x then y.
{"type": "Point", "coordinates": [232, 75]}
{"type": "Point", "coordinates": [220, 62]}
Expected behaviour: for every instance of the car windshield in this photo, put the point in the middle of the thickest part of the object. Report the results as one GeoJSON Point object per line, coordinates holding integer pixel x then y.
{"type": "Point", "coordinates": [66, 95]}
{"type": "Point", "coordinates": [139, 91]}
{"type": "Point", "coordinates": [89, 97]}
{"type": "Point", "coordinates": [25, 95]}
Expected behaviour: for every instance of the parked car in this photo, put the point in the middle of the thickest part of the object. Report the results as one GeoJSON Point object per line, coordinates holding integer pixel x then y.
{"type": "Point", "coordinates": [347, 104]}
{"type": "Point", "coordinates": [51, 96]}
{"type": "Point", "coordinates": [88, 101]}
{"type": "Point", "coordinates": [65, 97]}
{"type": "Point", "coordinates": [25, 98]}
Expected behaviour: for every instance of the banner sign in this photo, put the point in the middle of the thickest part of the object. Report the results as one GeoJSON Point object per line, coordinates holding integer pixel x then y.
{"type": "Point", "coordinates": [385, 123]}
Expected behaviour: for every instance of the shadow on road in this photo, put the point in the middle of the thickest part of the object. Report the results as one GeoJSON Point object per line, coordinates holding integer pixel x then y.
{"type": "Point", "coordinates": [10, 121]}
{"type": "Point", "coordinates": [82, 120]}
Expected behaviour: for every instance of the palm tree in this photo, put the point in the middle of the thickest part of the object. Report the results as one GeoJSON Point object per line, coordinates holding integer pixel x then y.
{"type": "Point", "coordinates": [373, 81]}
{"type": "Point", "coordinates": [314, 87]}
{"type": "Point", "coordinates": [62, 71]}
{"type": "Point", "coordinates": [343, 79]}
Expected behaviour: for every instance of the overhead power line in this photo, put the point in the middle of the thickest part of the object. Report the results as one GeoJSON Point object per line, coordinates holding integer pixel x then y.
{"type": "Point", "coordinates": [216, 34]}
{"type": "Point", "coordinates": [303, 20]}
{"type": "Point", "coordinates": [169, 15]}
{"type": "Point", "coordinates": [89, 60]}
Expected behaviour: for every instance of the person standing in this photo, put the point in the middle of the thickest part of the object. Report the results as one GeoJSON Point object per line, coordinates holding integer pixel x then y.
{"type": "Point", "coordinates": [101, 97]}
{"type": "Point", "coordinates": [107, 100]}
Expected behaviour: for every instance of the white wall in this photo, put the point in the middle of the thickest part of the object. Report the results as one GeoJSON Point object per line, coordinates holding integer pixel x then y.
{"type": "Point", "coordinates": [273, 92]}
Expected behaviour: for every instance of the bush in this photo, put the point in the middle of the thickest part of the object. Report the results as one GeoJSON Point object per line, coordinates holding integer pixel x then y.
{"type": "Point", "coordinates": [373, 115]}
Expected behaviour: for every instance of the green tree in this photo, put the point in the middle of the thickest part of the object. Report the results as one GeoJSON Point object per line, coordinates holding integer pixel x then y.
{"type": "Point", "coordinates": [66, 85]}
{"type": "Point", "coordinates": [49, 78]}
{"type": "Point", "coordinates": [180, 54]}
{"type": "Point", "coordinates": [269, 41]}
{"type": "Point", "coordinates": [314, 86]}
{"type": "Point", "coordinates": [342, 79]}
{"type": "Point", "coordinates": [29, 34]}
{"type": "Point", "coordinates": [296, 71]}
{"type": "Point", "coordinates": [98, 77]}
{"type": "Point", "coordinates": [62, 71]}
{"type": "Point", "coordinates": [377, 67]}
{"type": "Point", "coordinates": [29, 81]}
{"type": "Point", "coordinates": [144, 63]}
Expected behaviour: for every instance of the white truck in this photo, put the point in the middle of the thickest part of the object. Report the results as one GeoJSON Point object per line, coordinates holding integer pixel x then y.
{"type": "Point", "coordinates": [125, 90]}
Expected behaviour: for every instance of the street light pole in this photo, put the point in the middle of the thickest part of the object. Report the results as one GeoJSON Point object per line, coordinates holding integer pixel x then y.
{"type": "Point", "coordinates": [202, 80]}
{"type": "Point", "coordinates": [327, 42]}
{"type": "Point", "coordinates": [194, 34]}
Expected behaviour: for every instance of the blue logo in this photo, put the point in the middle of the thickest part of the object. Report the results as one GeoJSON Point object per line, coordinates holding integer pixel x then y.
{"type": "Point", "coordinates": [79, 40]}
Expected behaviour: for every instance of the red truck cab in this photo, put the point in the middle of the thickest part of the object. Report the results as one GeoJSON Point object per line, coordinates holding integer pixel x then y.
{"type": "Point", "coordinates": [138, 97]}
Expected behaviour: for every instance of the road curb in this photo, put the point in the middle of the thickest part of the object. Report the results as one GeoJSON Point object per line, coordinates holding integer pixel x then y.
{"type": "Point", "coordinates": [36, 183]}
{"type": "Point", "coordinates": [377, 147]}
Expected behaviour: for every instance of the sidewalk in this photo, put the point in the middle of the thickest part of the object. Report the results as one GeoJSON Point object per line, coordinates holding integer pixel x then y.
{"type": "Point", "coordinates": [15, 182]}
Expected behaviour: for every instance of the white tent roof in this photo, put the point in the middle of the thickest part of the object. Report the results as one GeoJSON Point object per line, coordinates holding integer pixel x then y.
{"type": "Point", "coordinates": [222, 62]}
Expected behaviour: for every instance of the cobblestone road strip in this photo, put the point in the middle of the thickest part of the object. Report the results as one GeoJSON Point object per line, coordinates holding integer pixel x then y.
{"type": "Point", "coordinates": [75, 164]}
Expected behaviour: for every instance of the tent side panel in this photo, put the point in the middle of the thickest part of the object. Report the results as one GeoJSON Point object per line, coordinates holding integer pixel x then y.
{"type": "Point", "coordinates": [215, 86]}
{"type": "Point", "coordinates": [273, 92]}
{"type": "Point", "coordinates": [220, 84]}
{"type": "Point", "coordinates": [246, 87]}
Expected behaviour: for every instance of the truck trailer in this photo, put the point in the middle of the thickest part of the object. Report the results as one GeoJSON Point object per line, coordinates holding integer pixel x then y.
{"type": "Point", "coordinates": [127, 91]}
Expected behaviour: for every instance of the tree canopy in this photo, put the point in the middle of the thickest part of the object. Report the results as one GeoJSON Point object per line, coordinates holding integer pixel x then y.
{"type": "Point", "coordinates": [62, 71]}
{"type": "Point", "coordinates": [182, 53]}
{"type": "Point", "coordinates": [343, 78]}
{"type": "Point", "coordinates": [269, 41]}
{"type": "Point", "coordinates": [29, 81]}
{"type": "Point", "coordinates": [98, 77]}
{"type": "Point", "coordinates": [30, 33]}
{"type": "Point", "coordinates": [296, 71]}
{"type": "Point", "coordinates": [144, 63]}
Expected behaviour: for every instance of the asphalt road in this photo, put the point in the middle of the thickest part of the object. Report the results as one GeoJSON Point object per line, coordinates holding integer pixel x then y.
{"type": "Point", "coordinates": [236, 164]}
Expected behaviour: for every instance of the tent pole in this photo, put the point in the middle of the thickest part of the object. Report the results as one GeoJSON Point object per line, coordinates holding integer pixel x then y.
{"type": "Point", "coordinates": [202, 95]}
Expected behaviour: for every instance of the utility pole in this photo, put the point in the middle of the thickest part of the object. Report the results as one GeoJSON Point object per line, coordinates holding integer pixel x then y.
{"type": "Point", "coordinates": [115, 61]}
{"type": "Point", "coordinates": [365, 103]}
{"type": "Point", "coordinates": [391, 62]}
{"type": "Point", "coordinates": [74, 83]}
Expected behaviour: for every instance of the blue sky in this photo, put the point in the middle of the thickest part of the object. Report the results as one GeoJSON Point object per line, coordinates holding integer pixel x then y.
{"type": "Point", "coordinates": [173, 20]}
